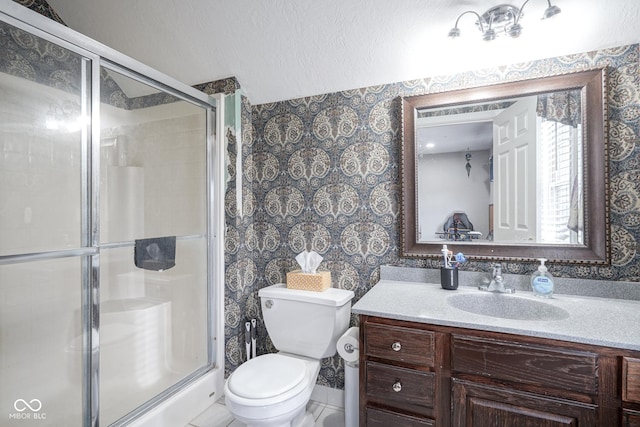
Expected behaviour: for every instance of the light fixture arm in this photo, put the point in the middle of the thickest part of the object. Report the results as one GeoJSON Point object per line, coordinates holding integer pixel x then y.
{"type": "Point", "coordinates": [517, 18]}
{"type": "Point", "coordinates": [490, 23]}
{"type": "Point", "coordinates": [475, 13]}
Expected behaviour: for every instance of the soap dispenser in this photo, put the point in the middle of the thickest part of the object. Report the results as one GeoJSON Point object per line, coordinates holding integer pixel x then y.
{"type": "Point", "coordinates": [542, 281]}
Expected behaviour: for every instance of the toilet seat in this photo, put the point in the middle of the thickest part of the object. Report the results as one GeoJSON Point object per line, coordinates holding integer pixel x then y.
{"type": "Point", "coordinates": [267, 376]}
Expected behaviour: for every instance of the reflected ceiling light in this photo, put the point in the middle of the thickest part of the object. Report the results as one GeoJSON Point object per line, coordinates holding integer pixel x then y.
{"type": "Point", "coordinates": [503, 18]}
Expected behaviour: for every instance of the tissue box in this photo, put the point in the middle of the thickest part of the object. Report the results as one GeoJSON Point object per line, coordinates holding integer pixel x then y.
{"type": "Point", "coordinates": [317, 282]}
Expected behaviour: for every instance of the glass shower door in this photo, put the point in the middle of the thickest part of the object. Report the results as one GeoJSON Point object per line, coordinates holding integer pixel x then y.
{"type": "Point", "coordinates": [153, 234]}
{"type": "Point", "coordinates": [106, 254]}
{"type": "Point", "coordinates": [44, 252]}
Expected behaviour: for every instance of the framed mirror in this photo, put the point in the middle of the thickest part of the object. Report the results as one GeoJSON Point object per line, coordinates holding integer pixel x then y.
{"type": "Point", "coordinates": [512, 171]}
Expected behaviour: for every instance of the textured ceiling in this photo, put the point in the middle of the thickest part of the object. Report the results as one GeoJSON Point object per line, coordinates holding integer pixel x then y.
{"type": "Point", "coordinates": [284, 49]}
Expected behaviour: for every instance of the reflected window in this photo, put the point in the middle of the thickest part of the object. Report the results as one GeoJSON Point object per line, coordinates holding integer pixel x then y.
{"type": "Point", "coordinates": [561, 209]}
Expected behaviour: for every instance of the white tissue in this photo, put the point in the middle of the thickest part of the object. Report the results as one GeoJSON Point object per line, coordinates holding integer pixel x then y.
{"type": "Point", "coordinates": [309, 261]}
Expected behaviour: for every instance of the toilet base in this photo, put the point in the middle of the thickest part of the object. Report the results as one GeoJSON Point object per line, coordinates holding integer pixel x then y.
{"type": "Point", "coordinates": [305, 419]}
{"type": "Point", "coordinates": [308, 421]}
{"type": "Point", "coordinates": [302, 419]}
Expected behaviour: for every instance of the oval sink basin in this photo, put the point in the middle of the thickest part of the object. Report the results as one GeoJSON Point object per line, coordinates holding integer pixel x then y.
{"type": "Point", "coordinates": [506, 306]}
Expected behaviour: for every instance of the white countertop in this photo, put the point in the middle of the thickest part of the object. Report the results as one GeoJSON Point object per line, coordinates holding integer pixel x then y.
{"type": "Point", "coordinates": [591, 320]}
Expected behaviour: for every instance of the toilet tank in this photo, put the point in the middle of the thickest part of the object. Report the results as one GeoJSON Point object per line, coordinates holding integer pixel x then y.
{"type": "Point", "coordinates": [305, 323]}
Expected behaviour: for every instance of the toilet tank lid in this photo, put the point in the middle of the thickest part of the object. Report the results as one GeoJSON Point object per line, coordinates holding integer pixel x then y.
{"type": "Point", "coordinates": [332, 296]}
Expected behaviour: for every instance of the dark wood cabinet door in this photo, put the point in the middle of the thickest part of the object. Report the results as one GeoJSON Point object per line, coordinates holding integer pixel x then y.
{"type": "Point", "coordinates": [476, 405]}
{"type": "Point", "coordinates": [630, 418]}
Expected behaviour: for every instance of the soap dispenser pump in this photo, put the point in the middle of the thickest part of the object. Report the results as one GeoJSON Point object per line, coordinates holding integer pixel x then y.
{"type": "Point", "coordinates": [542, 281]}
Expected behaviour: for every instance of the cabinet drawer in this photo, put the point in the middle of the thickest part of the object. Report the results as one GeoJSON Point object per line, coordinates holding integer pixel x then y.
{"type": "Point", "coordinates": [402, 388]}
{"type": "Point", "coordinates": [380, 418]}
{"type": "Point", "coordinates": [535, 365]}
{"type": "Point", "coordinates": [631, 379]}
{"type": "Point", "coordinates": [399, 344]}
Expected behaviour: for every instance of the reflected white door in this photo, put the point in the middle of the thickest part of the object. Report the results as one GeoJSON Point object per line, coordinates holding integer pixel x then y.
{"type": "Point", "coordinates": [514, 153]}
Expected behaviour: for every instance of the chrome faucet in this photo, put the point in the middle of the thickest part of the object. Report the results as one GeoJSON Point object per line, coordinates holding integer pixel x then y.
{"type": "Point", "coordinates": [497, 282]}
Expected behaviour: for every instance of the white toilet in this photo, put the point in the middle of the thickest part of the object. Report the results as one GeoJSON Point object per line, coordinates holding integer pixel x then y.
{"type": "Point", "coordinates": [273, 389]}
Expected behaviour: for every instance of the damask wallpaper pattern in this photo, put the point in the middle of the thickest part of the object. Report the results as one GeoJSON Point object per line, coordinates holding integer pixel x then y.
{"type": "Point", "coordinates": [43, 8]}
{"type": "Point", "coordinates": [322, 174]}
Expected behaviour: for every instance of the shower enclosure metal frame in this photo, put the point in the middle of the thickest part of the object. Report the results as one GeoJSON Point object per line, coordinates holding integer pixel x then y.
{"type": "Point", "coordinates": [97, 55]}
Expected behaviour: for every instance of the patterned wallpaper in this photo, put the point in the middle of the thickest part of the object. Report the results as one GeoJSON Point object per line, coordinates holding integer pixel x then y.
{"type": "Point", "coordinates": [43, 8]}
{"type": "Point", "coordinates": [321, 173]}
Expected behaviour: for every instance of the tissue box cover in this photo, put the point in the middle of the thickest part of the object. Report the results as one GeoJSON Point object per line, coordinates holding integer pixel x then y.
{"type": "Point", "coordinates": [317, 282]}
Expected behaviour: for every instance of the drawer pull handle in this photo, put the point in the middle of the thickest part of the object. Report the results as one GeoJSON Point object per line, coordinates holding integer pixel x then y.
{"type": "Point", "coordinates": [397, 387]}
{"type": "Point", "coordinates": [396, 346]}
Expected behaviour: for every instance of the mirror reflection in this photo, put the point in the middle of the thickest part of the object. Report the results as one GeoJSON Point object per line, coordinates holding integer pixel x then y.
{"type": "Point", "coordinates": [515, 170]}
{"type": "Point", "coordinates": [506, 171]}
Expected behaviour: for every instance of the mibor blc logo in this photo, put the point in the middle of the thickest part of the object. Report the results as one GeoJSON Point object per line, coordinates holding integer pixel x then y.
{"type": "Point", "coordinates": [27, 410]}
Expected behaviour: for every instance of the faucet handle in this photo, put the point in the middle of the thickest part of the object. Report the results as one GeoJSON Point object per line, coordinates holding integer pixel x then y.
{"type": "Point", "coordinates": [496, 283]}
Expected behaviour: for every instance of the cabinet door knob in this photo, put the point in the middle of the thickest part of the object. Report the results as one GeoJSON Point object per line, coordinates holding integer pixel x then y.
{"type": "Point", "coordinates": [396, 346]}
{"type": "Point", "coordinates": [397, 387]}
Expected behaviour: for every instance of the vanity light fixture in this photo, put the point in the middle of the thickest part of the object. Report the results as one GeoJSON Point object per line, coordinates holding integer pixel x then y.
{"type": "Point", "coordinates": [503, 18]}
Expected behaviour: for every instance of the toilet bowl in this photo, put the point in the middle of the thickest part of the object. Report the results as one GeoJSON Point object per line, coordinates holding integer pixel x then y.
{"type": "Point", "coordinates": [273, 390]}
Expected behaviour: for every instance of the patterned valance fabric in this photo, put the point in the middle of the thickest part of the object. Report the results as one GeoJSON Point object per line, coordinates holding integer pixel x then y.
{"type": "Point", "coordinates": [562, 107]}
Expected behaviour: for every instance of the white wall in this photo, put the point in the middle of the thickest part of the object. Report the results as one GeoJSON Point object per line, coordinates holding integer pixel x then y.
{"type": "Point", "coordinates": [443, 187]}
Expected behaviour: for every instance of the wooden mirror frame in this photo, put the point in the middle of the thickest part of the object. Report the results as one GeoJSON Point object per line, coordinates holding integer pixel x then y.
{"type": "Point", "coordinates": [596, 247]}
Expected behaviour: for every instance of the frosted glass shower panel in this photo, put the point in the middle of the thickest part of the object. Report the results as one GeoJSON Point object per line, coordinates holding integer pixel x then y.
{"type": "Point", "coordinates": [43, 114]}
{"type": "Point", "coordinates": [153, 326]}
{"type": "Point", "coordinates": [153, 158]}
{"type": "Point", "coordinates": [41, 343]}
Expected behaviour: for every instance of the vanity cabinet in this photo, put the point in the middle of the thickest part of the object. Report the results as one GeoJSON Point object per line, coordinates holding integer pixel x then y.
{"type": "Point", "coordinates": [415, 374]}
{"type": "Point", "coordinates": [521, 383]}
{"type": "Point", "coordinates": [399, 373]}
{"type": "Point", "coordinates": [631, 391]}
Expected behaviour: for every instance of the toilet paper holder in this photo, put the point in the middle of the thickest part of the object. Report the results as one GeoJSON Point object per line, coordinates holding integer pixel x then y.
{"type": "Point", "coordinates": [348, 345]}
{"type": "Point", "coordinates": [350, 348]}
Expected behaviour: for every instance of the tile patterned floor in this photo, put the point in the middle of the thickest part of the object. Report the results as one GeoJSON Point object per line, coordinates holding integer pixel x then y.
{"type": "Point", "coordinates": [217, 415]}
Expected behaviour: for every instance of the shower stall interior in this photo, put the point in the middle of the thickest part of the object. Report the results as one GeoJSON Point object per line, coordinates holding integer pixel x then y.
{"type": "Point", "coordinates": [107, 230]}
